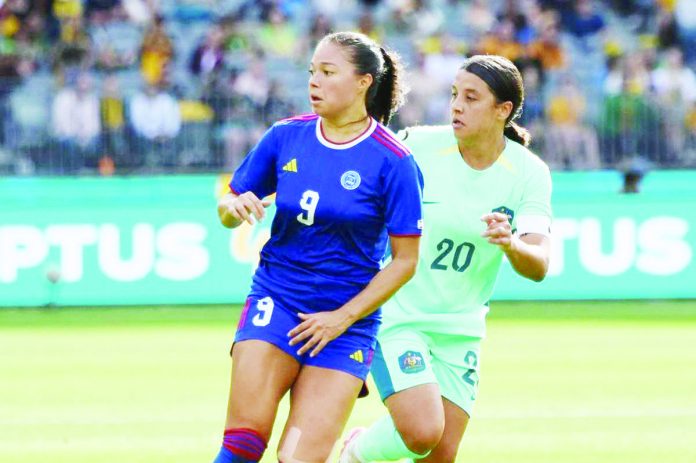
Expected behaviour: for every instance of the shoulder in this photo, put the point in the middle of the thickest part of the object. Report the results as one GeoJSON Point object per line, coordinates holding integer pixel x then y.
{"type": "Point", "coordinates": [293, 126]}
{"type": "Point", "coordinates": [301, 120]}
{"type": "Point", "coordinates": [428, 139]}
{"type": "Point", "coordinates": [531, 163]}
{"type": "Point", "coordinates": [426, 132]}
{"type": "Point", "coordinates": [389, 143]}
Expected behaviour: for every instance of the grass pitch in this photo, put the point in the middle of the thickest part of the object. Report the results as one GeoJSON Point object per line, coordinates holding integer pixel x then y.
{"type": "Point", "coordinates": [561, 382]}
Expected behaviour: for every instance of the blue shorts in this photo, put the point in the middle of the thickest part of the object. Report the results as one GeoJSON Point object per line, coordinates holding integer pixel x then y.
{"type": "Point", "coordinates": [266, 320]}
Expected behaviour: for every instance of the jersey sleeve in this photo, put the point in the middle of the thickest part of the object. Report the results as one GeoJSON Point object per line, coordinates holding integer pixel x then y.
{"type": "Point", "coordinates": [257, 172]}
{"type": "Point", "coordinates": [534, 212]}
{"type": "Point", "coordinates": [403, 195]}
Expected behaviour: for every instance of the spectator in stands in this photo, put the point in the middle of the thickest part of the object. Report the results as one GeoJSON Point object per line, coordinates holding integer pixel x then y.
{"type": "Point", "coordinates": [253, 82]}
{"type": "Point", "coordinates": [367, 26]}
{"type": "Point", "coordinates": [585, 21]}
{"type": "Point", "coordinates": [320, 26]}
{"type": "Point", "coordinates": [501, 41]}
{"type": "Point", "coordinates": [442, 61]}
{"type": "Point", "coordinates": [156, 52]}
{"type": "Point", "coordinates": [73, 51]}
{"type": "Point", "coordinates": [115, 41]}
{"type": "Point", "coordinates": [239, 123]}
{"type": "Point", "coordinates": [629, 125]}
{"type": "Point", "coordinates": [546, 48]}
{"type": "Point", "coordinates": [113, 119]}
{"type": "Point", "coordinates": [569, 143]}
{"type": "Point", "coordinates": [667, 30]}
{"type": "Point", "coordinates": [533, 110]}
{"type": "Point", "coordinates": [479, 17]}
{"type": "Point", "coordinates": [422, 18]}
{"type": "Point", "coordinates": [208, 57]}
{"type": "Point", "coordinates": [156, 121]}
{"type": "Point", "coordinates": [100, 6]}
{"type": "Point", "coordinates": [675, 88]}
{"type": "Point", "coordinates": [512, 12]}
{"type": "Point", "coordinates": [278, 37]}
{"type": "Point", "coordinates": [76, 125]}
{"type": "Point", "coordinates": [235, 40]}
{"type": "Point", "coordinates": [427, 103]}
{"type": "Point", "coordinates": [629, 70]}
{"type": "Point", "coordinates": [685, 14]}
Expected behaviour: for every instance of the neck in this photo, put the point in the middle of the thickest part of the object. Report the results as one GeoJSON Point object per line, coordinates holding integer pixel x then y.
{"type": "Point", "coordinates": [345, 126]}
{"type": "Point", "coordinates": [481, 152]}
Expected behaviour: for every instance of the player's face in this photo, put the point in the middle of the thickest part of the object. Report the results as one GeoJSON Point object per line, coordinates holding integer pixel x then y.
{"type": "Point", "coordinates": [334, 86]}
{"type": "Point", "coordinates": [474, 109]}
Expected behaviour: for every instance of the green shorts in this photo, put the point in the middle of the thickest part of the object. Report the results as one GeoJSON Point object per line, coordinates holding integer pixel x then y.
{"type": "Point", "coordinates": [405, 358]}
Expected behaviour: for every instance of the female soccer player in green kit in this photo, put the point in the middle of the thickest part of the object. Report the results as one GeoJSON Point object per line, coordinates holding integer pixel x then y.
{"type": "Point", "coordinates": [486, 195]}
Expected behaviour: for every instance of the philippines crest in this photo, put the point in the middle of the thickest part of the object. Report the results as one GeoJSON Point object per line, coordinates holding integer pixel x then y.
{"type": "Point", "coordinates": [350, 180]}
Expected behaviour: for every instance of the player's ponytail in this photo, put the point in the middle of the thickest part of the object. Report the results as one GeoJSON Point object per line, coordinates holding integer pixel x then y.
{"type": "Point", "coordinates": [386, 93]}
{"type": "Point", "coordinates": [516, 132]}
{"type": "Point", "coordinates": [505, 81]}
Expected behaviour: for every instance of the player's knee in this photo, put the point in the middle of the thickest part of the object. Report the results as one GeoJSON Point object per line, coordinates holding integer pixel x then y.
{"type": "Point", "coordinates": [422, 437]}
{"type": "Point", "coordinates": [446, 452]}
{"type": "Point", "coordinates": [245, 443]}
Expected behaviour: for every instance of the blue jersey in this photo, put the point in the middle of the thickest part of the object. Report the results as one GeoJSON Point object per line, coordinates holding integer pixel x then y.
{"type": "Point", "coordinates": [336, 204]}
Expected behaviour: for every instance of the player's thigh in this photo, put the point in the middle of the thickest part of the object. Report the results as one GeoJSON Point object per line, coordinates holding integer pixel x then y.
{"type": "Point", "coordinates": [263, 364]}
{"type": "Point", "coordinates": [261, 375]}
{"type": "Point", "coordinates": [403, 372]}
{"type": "Point", "coordinates": [456, 420]}
{"type": "Point", "coordinates": [456, 364]}
{"type": "Point", "coordinates": [320, 403]}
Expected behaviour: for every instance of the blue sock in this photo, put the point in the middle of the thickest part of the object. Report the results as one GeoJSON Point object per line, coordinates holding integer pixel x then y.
{"type": "Point", "coordinates": [225, 456]}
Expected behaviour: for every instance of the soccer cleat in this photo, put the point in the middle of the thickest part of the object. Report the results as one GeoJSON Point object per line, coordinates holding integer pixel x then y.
{"type": "Point", "coordinates": [348, 451]}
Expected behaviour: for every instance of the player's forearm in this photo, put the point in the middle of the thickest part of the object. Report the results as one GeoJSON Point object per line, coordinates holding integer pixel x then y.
{"type": "Point", "coordinates": [529, 260]}
{"type": "Point", "coordinates": [381, 288]}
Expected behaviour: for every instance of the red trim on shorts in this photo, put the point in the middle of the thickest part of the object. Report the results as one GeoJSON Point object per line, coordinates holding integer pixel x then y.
{"type": "Point", "coordinates": [243, 316]}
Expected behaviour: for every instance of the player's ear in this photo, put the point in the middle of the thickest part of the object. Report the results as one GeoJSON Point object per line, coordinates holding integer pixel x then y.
{"type": "Point", "coordinates": [365, 81]}
{"type": "Point", "coordinates": [503, 110]}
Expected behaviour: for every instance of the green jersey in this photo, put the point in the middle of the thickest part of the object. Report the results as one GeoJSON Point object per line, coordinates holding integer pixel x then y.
{"type": "Point", "coordinates": [457, 267]}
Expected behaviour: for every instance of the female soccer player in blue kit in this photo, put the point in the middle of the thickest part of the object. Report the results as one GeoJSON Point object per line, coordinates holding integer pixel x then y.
{"type": "Point", "coordinates": [486, 196]}
{"type": "Point", "coordinates": [344, 187]}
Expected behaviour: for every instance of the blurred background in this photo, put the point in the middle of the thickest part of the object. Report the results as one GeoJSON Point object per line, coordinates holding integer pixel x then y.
{"type": "Point", "coordinates": [121, 121]}
{"type": "Point", "coordinates": [116, 86]}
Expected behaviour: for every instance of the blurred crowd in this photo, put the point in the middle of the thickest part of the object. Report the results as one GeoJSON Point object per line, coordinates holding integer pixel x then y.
{"type": "Point", "coordinates": [159, 85]}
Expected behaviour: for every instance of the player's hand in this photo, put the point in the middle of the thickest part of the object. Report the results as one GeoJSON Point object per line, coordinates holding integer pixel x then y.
{"type": "Point", "coordinates": [498, 230]}
{"type": "Point", "coordinates": [316, 330]}
{"type": "Point", "coordinates": [244, 207]}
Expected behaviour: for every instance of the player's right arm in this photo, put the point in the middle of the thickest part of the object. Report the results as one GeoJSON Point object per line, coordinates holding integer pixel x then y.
{"type": "Point", "coordinates": [255, 178]}
{"type": "Point", "coordinates": [234, 209]}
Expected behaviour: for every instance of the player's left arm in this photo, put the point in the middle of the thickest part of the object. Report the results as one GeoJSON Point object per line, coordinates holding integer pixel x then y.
{"type": "Point", "coordinates": [318, 329]}
{"type": "Point", "coordinates": [528, 254]}
{"type": "Point", "coordinates": [528, 249]}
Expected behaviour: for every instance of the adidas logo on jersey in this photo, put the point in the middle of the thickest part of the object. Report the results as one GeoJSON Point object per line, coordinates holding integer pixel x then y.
{"type": "Point", "coordinates": [291, 166]}
{"type": "Point", "coordinates": [357, 356]}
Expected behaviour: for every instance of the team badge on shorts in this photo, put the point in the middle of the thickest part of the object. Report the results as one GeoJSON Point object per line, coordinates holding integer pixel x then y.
{"type": "Point", "coordinates": [350, 180]}
{"type": "Point", "coordinates": [411, 362]}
